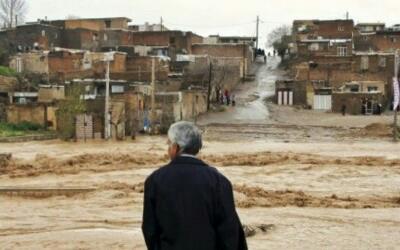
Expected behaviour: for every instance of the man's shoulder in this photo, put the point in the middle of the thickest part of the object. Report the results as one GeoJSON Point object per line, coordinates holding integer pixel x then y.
{"type": "Point", "coordinates": [165, 169]}
{"type": "Point", "coordinates": [156, 172]}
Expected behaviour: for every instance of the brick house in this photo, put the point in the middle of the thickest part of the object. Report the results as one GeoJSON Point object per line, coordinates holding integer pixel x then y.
{"type": "Point", "coordinates": [322, 37]}
{"type": "Point", "coordinates": [380, 41]}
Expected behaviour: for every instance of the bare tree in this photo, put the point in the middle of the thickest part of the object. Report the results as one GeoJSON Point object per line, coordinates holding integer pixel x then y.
{"type": "Point", "coordinates": [277, 34]}
{"type": "Point", "coordinates": [279, 39]}
{"type": "Point", "coordinates": [12, 12]}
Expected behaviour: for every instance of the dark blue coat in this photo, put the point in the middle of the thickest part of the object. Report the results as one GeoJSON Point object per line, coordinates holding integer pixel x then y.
{"type": "Point", "coordinates": [189, 206]}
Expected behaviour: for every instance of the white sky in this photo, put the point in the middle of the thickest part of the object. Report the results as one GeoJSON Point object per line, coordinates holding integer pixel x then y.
{"type": "Point", "coordinates": [224, 17]}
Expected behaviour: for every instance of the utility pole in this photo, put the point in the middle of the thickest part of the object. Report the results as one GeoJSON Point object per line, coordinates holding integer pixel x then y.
{"type": "Point", "coordinates": [107, 104]}
{"type": "Point", "coordinates": [209, 86]}
{"type": "Point", "coordinates": [396, 89]}
{"type": "Point", "coordinates": [347, 15]}
{"type": "Point", "coordinates": [153, 94]}
{"type": "Point", "coordinates": [258, 24]}
{"type": "Point", "coordinates": [107, 130]}
{"type": "Point", "coordinates": [161, 24]}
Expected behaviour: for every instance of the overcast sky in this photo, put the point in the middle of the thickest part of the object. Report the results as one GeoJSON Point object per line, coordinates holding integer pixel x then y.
{"type": "Point", "coordinates": [224, 17]}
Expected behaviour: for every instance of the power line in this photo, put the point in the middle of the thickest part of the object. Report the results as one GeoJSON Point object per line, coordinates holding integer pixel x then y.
{"type": "Point", "coordinates": [211, 26]}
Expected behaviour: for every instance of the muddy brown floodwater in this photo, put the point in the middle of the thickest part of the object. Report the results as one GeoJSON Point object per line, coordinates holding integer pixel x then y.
{"type": "Point", "coordinates": [311, 195]}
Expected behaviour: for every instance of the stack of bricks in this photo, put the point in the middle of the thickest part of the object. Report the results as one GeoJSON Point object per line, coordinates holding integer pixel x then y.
{"type": "Point", "coordinates": [84, 127]}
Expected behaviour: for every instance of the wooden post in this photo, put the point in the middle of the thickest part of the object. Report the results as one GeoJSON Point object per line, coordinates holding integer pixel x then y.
{"type": "Point", "coordinates": [153, 94]}
{"type": "Point", "coordinates": [396, 75]}
{"type": "Point", "coordinates": [107, 128]}
{"type": "Point", "coordinates": [209, 86]}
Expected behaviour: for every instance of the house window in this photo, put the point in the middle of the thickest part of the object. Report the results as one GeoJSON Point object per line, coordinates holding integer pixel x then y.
{"type": "Point", "coordinates": [172, 40]}
{"type": "Point", "coordinates": [314, 47]}
{"type": "Point", "coordinates": [382, 62]}
{"type": "Point", "coordinates": [340, 28]}
{"type": "Point", "coordinates": [117, 89]}
{"type": "Point", "coordinates": [364, 63]}
{"type": "Point", "coordinates": [108, 24]}
{"type": "Point", "coordinates": [372, 89]}
{"type": "Point", "coordinates": [105, 37]}
{"type": "Point", "coordinates": [354, 88]}
{"type": "Point", "coordinates": [393, 39]}
{"type": "Point", "coordinates": [43, 33]}
{"type": "Point", "coordinates": [342, 51]}
{"type": "Point", "coordinates": [22, 100]}
{"type": "Point", "coordinates": [95, 37]}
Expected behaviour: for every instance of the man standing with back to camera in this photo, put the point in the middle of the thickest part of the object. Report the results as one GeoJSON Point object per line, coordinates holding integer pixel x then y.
{"type": "Point", "coordinates": [189, 205]}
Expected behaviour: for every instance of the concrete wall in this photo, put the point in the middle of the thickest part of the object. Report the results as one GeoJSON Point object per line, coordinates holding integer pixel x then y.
{"type": "Point", "coordinates": [34, 62]}
{"type": "Point", "coordinates": [193, 104]}
{"type": "Point", "coordinates": [353, 101]}
{"type": "Point", "coordinates": [134, 112]}
{"type": "Point", "coordinates": [299, 89]}
{"type": "Point", "coordinates": [184, 105]}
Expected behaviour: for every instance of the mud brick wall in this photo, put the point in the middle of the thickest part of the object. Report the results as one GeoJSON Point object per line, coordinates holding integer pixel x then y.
{"type": "Point", "coordinates": [139, 69]}
{"type": "Point", "coordinates": [332, 30]}
{"type": "Point", "coordinates": [222, 50]}
{"type": "Point", "coordinates": [30, 113]}
{"type": "Point", "coordinates": [26, 36]}
{"type": "Point", "coordinates": [387, 41]}
{"type": "Point", "coordinates": [81, 39]}
{"type": "Point", "coordinates": [177, 39]}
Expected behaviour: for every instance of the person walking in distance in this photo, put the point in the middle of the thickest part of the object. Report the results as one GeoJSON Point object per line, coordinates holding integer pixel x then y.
{"type": "Point", "coordinates": [189, 205]}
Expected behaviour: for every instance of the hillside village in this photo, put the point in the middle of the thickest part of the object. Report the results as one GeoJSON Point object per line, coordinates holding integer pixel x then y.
{"type": "Point", "coordinates": [340, 66]}
{"type": "Point", "coordinates": [156, 76]}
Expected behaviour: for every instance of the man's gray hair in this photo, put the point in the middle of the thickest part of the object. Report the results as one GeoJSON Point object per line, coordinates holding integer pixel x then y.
{"type": "Point", "coordinates": [187, 136]}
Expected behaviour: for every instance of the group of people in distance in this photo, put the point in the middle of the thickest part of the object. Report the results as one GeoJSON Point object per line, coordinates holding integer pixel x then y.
{"type": "Point", "coordinates": [226, 98]}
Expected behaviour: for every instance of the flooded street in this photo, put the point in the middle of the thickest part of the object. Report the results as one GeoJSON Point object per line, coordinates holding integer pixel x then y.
{"type": "Point", "coordinates": [250, 97]}
{"type": "Point", "coordinates": [320, 187]}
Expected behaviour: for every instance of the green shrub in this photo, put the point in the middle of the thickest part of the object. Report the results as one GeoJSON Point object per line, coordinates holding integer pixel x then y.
{"type": "Point", "coordinates": [5, 71]}
{"type": "Point", "coordinates": [26, 126]}
{"type": "Point", "coordinates": [19, 129]}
